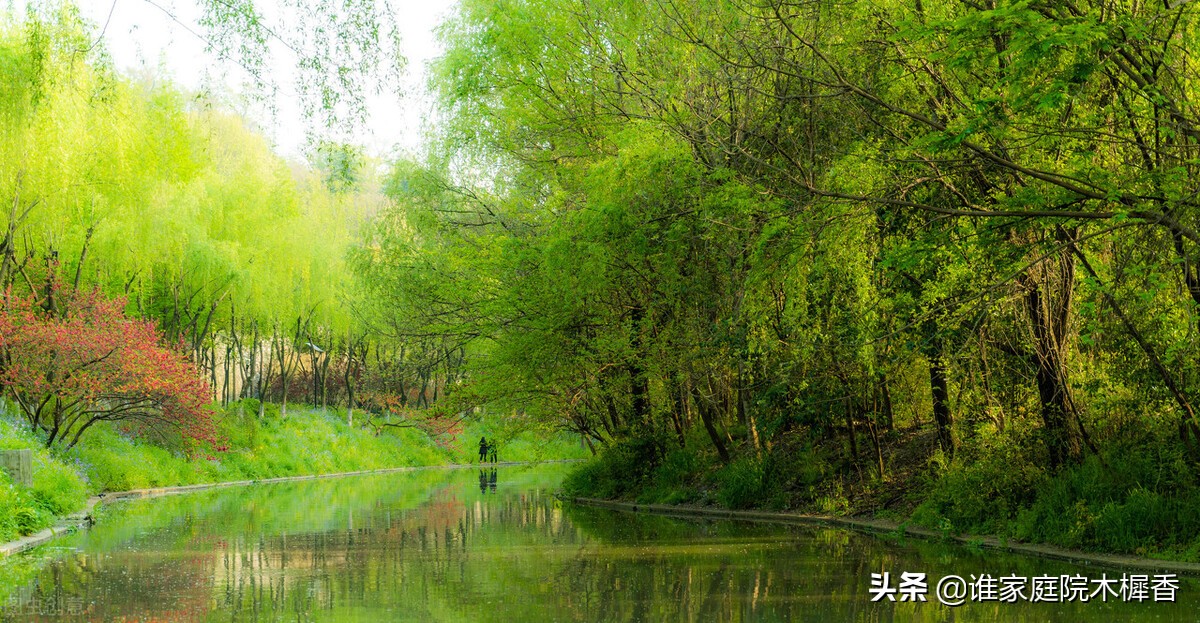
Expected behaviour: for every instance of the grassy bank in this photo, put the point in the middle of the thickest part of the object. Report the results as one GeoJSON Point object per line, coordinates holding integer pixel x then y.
{"type": "Point", "coordinates": [517, 442]}
{"type": "Point", "coordinates": [1138, 496]}
{"type": "Point", "coordinates": [307, 441]}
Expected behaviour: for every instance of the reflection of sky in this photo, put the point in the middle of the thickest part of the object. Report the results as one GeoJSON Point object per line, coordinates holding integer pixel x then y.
{"type": "Point", "coordinates": [142, 38]}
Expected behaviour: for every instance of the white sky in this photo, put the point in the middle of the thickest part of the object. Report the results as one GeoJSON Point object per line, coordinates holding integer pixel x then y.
{"type": "Point", "coordinates": [143, 38]}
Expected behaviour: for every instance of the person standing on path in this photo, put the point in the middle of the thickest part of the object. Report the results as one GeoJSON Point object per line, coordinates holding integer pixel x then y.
{"type": "Point", "coordinates": [483, 449]}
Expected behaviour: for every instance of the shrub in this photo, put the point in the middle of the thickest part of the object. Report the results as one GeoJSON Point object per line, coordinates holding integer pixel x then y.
{"type": "Point", "coordinates": [673, 481]}
{"type": "Point", "coordinates": [92, 363]}
{"type": "Point", "coordinates": [1132, 502]}
{"type": "Point", "coordinates": [741, 483]}
{"type": "Point", "coordinates": [619, 470]}
{"type": "Point", "coordinates": [984, 492]}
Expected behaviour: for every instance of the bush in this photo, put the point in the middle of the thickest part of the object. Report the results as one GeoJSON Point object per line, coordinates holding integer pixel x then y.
{"type": "Point", "coordinates": [985, 491]}
{"type": "Point", "coordinates": [674, 480]}
{"type": "Point", "coordinates": [621, 469]}
{"type": "Point", "coordinates": [1140, 502]}
{"type": "Point", "coordinates": [741, 484]}
{"type": "Point", "coordinates": [659, 471]}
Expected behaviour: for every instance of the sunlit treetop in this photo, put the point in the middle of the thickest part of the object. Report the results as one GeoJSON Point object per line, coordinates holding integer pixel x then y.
{"type": "Point", "coordinates": [341, 51]}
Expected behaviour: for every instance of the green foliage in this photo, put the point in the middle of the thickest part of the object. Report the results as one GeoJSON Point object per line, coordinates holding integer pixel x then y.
{"type": "Point", "coordinates": [984, 493]}
{"type": "Point", "coordinates": [167, 199]}
{"type": "Point", "coordinates": [730, 224]}
{"type": "Point", "coordinates": [675, 480]}
{"type": "Point", "coordinates": [692, 474]}
{"type": "Point", "coordinates": [834, 501]}
{"type": "Point", "coordinates": [742, 484]}
{"type": "Point", "coordinates": [57, 488]}
{"type": "Point", "coordinates": [1133, 503]}
{"type": "Point", "coordinates": [618, 471]}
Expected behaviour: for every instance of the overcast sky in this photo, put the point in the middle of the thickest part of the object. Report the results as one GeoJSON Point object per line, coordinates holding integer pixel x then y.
{"type": "Point", "coordinates": [143, 37]}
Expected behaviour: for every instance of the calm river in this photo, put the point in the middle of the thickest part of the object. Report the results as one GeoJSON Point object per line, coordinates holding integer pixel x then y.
{"type": "Point", "coordinates": [472, 545]}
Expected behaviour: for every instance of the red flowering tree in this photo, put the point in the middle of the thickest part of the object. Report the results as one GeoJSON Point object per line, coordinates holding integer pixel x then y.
{"type": "Point", "coordinates": [82, 361]}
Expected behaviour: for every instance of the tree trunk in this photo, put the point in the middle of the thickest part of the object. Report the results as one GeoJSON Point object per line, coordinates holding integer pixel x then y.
{"type": "Point", "coordinates": [610, 405]}
{"type": "Point", "coordinates": [874, 430]}
{"type": "Point", "coordinates": [707, 415]}
{"type": "Point", "coordinates": [348, 376]}
{"type": "Point", "coordinates": [745, 413]}
{"type": "Point", "coordinates": [225, 374]}
{"type": "Point", "coordinates": [942, 417]}
{"type": "Point", "coordinates": [639, 390]}
{"type": "Point", "coordinates": [282, 355]}
{"type": "Point", "coordinates": [889, 419]}
{"type": "Point", "coordinates": [1048, 303]}
{"type": "Point", "coordinates": [679, 399]}
{"type": "Point", "coordinates": [851, 430]}
{"type": "Point", "coordinates": [1187, 424]}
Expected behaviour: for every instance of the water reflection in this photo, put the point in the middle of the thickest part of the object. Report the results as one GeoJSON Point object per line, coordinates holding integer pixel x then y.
{"type": "Point", "coordinates": [456, 545]}
{"type": "Point", "coordinates": [487, 480]}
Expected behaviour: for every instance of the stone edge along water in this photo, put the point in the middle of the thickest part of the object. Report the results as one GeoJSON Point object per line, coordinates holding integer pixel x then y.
{"type": "Point", "coordinates": [82, 518]}
{"type": "Point", "coordinates": [882, 527]}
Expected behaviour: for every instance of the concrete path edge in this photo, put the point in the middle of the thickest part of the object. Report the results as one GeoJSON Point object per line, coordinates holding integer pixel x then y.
{"type": "Point", "coordinates": [890, 528]}
{"type": "Point", "coordinates": [82, 518]}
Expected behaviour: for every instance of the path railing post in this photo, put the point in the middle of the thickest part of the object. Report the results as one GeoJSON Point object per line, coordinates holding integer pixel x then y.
{"type": "Point", "coordinates": [19, 465]}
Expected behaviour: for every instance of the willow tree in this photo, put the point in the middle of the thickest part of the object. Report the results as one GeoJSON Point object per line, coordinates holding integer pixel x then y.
{"type": "Point", "coordinates": [162, 197]}
{"type": "Point", "coordinates": [757, 212]}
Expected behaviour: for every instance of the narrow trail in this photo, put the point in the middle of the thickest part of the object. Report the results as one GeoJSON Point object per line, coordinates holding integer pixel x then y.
{"type": "Point", "coordinates": [83, 517]}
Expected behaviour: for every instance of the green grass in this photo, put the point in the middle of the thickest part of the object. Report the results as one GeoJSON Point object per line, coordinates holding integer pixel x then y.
{"type": "Point", "coordinates": [306, 442]}
{"type": "Point", "coordinates": [57, 489]}
{"type": "Point", "coordinates": [518, 441]}
{"type": "Point", "coordinates": [986, 487]}
{"type": "Point", "coordinates": [1140, 497]}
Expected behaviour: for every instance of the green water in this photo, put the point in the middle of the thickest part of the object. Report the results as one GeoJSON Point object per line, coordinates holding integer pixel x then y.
{"type": "Point", "coordinates": [454, 545]}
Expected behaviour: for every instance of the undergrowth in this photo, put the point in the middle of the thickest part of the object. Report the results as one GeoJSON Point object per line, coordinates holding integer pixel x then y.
{"type": "Point", "coordinates": [1139, 496]}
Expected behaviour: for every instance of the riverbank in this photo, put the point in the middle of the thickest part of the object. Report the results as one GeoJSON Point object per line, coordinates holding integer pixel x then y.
{"type": "Point", "coordinates": [1137, 497]}
{"type": "Point", "coordinates": [84, 517]}
{"type": "Point", "coordinates": [892, 529]}
{"type": "Point", "coordinates": [305, 443]}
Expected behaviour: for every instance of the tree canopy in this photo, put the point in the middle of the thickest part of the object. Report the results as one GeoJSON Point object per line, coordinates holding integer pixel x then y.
{"type": "Point", "coordinates": [771, 215]}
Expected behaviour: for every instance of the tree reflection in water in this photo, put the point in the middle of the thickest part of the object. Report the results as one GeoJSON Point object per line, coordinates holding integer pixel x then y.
{"type": "Point", "coordinates": [444, 545]}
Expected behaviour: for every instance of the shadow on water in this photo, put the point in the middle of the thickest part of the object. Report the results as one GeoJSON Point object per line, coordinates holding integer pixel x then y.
{"type": "Point", "coordinates": [487, 480]}
{"type": "Point", "coordinates": [494, 546]}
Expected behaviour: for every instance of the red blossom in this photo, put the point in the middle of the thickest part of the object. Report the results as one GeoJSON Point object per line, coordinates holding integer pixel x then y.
{"type": "Point", "coordinates": [88, 362]}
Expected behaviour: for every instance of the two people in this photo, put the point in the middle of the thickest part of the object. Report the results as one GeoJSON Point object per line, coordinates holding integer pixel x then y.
{"type": "Point", "coordinates": [488, 451]}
